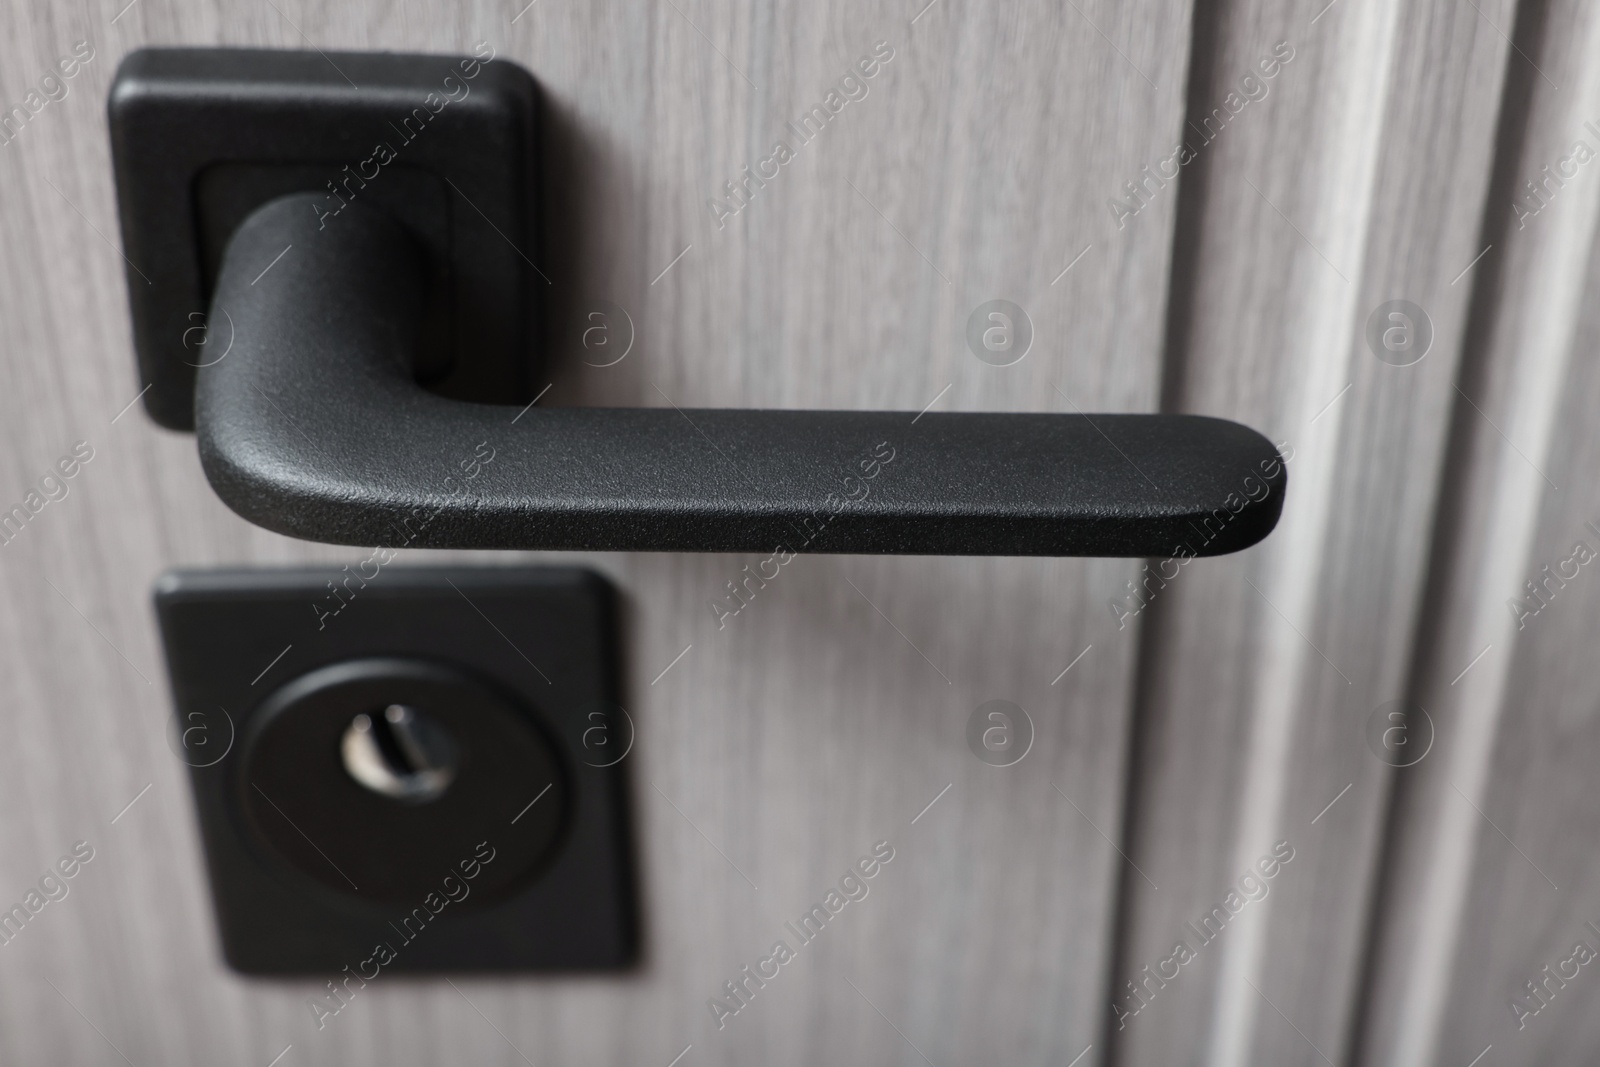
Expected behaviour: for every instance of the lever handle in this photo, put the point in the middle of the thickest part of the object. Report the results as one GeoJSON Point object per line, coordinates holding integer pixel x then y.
{"type": "Point", "coordinates": [313, 426]}
{"type": "Point", "coordinates": [338, 301]}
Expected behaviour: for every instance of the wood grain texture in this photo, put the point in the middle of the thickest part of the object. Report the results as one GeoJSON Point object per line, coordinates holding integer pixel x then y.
{"type": "Point", "coordinates": [1359, 178]}
{"type": "Point", "coordinates": [775, 751]}
{"type": "Point", "coordinates": [1491, 872]}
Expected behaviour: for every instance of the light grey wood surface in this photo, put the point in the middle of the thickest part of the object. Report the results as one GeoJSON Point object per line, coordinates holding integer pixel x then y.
{"type": "Point", "coordinates": [773, 752]}
{"type": "Point", "coordinates": [983, 163]}
{"type": "Point", "coordinates": [1358, 179]}
{"type": "Point", "coordinates": [1491, 865]}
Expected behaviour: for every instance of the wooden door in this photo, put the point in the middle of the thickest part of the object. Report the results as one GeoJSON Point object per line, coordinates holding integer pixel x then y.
{"type": "Point", "coordinates": [773, 750]}
{"type": "Point", "coordinates": [1197, 211]}
{"type": "Point", "coordinates": [1490, 883]}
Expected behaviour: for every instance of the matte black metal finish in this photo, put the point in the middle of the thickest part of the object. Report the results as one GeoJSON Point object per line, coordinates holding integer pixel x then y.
{"type": "Point", "coordinates": [313, 426]}
{"type": "Point", "coordinates": [314, 423]}
{"type": "Point", "coordinates": [309, 869]}
{"type": "Point", "coordinates": [389, 850]}
{"type": "Point", "coordinates": [200, 137]}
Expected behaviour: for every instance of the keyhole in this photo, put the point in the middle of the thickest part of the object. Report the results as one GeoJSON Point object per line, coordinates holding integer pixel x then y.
{"type": "Point", "coordinates": [401, 754]}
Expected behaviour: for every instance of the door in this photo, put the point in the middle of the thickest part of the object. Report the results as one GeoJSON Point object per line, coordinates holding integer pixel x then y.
{"type": "Point", "coordinates": [1307, 218]}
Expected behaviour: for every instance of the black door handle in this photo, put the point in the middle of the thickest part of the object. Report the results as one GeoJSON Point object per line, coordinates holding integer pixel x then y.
{"type": "Point", "coordinates": [313, 424]}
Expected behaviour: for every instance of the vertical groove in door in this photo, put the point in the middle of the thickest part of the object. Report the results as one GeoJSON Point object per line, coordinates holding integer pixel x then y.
{"type": "Point", "coordinates": [1204, 36]}
{"type": "Point", "coordinates": [1153, 630]}
{"type": "Point", "coordinates": [1374, 1025]}
{"type": "Point", "coordinates": [1319, 202]}
{"type": "Point", "coordinates": [1479, 839]}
